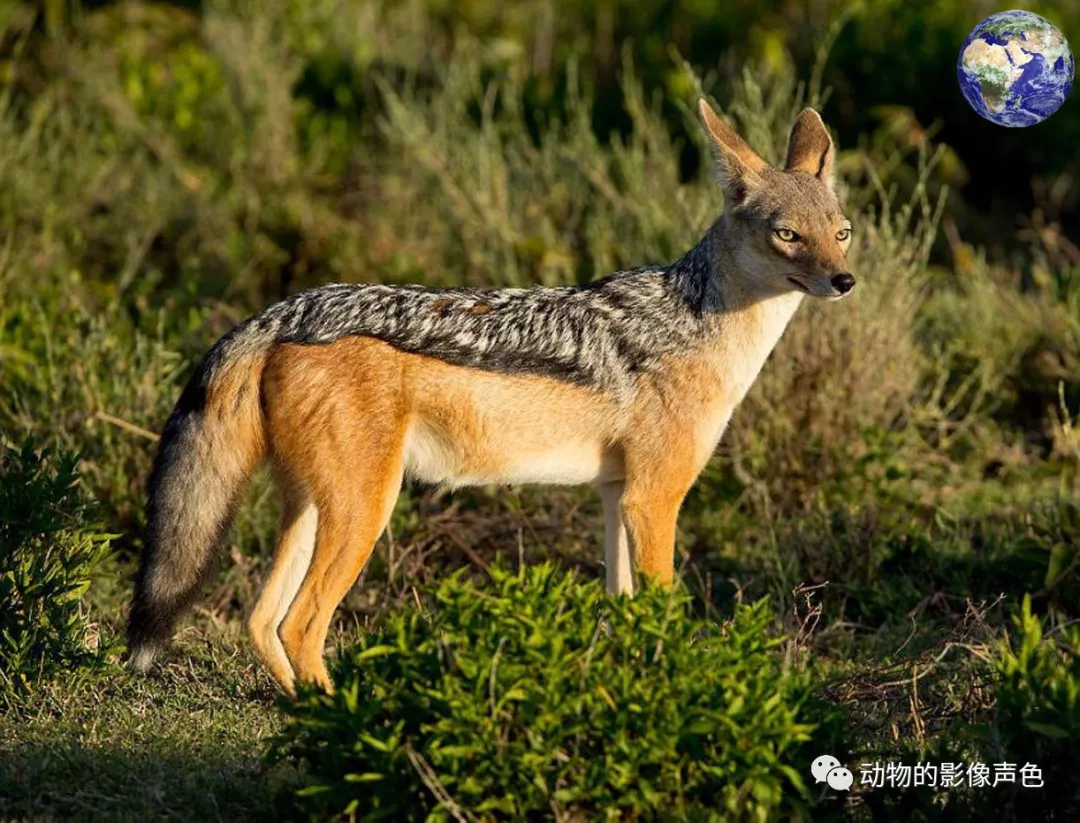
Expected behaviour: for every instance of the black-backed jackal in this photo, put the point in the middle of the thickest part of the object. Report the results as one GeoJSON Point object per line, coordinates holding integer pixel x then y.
{"type": "Point", "coordinates": [626, 383]}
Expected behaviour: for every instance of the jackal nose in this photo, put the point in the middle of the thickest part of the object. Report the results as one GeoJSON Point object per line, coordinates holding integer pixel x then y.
{"type": "Point", "coordinates": [843, 282]}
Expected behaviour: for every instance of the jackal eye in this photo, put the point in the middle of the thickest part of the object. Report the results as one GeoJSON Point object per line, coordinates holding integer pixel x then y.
{"type": "Point", "coordinates": [787, 235]}
{"type": "Point", "coordinates": [843, 235]}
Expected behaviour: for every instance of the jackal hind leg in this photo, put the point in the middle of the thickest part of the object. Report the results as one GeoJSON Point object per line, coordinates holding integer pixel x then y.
{"type": "Point", "coordinates": [296, 543]}
{"type": "Point", "coordinates": [348, 526]}
{"type": "Point", "coordinates": [337, 420]}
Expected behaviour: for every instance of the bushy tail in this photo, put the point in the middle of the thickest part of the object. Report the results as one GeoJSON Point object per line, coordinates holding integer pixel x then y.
{"type": "Point", "coordinates": [212, 444]}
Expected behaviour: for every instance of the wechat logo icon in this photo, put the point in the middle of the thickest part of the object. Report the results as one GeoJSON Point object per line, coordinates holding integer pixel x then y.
{"type": "Point", "coordinates": [827, 769]}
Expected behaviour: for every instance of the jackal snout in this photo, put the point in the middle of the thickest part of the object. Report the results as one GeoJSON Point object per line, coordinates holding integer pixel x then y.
{"type": "Point", "coordinates": [836, 286]}
{"type": "Point", "coordinates": [827, 288]}
{"type": "Point", "coordinates": [843, 282]}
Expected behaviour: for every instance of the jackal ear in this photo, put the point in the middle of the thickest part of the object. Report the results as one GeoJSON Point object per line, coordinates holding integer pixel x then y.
{"type": "Point", "coordinates": [740, 167]}
{"type": "Point", "coordinates": [810, 148]}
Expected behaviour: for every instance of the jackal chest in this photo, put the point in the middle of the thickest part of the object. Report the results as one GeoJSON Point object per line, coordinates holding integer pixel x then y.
{"type": "Point", "coordinates": [693, 398]}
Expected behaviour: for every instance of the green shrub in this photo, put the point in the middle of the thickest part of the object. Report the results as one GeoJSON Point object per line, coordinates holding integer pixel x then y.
{"type": "Point", "coordinates": [48, 553]}
{"type": "Point", "coordinates": [1038, 710]}
{"type": "Point", "coordinates": [538, 694]}
{"type": "Point", "coordinates": [96, 386]}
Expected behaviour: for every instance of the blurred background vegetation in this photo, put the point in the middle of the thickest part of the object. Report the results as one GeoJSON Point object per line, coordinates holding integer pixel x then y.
{"type": "Point", "coordinates": [902, 475]}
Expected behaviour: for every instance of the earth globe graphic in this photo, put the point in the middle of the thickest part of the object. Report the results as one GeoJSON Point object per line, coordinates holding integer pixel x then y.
{"type": "Point", "coordinates": [1015, 68]}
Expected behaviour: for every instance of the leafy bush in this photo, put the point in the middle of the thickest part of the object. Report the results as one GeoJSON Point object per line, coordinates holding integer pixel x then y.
{"type": "Point", "coordinates": [49, 550]}
{"type": "Point", "coordinates": [539, 694]}
{"type": "Point", "coordinates": [1038, 710]}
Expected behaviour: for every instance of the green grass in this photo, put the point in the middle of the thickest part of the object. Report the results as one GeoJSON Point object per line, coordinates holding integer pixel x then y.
{"type": "Point", "coordinates": [185, 743]}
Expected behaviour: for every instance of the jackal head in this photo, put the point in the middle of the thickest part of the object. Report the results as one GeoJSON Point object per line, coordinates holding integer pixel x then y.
{"type": "Point", "coordinates": [785, 226]}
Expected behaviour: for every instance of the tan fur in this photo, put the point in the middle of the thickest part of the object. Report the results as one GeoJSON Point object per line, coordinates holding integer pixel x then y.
{"type": "Point", "coordinates": [347, 420]}
{"type": "Point", "coordinates": [337, 430]}
{"type": "Point", "coordinates": [467, 427]}
{"type": "Point", "coordinates": [810, 150]}
{"type": "Point", "coordinates": [728, 143]}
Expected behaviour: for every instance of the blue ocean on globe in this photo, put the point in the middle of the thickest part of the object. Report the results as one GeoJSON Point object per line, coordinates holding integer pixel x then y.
{"type": "Point", "coordinates": [1015, 68]}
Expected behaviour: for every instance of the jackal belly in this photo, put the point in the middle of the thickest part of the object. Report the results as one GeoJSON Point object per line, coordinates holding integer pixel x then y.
{"type": "Point", "coordinates": [434, 455]}
{"type": "Point", "coordinates": [470, 427]}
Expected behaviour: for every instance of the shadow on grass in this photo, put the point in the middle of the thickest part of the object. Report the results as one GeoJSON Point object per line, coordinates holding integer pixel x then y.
{"type": "Point", "coordinates": [62, 778]}
{"type": "Point", "coordinates": [185, 742]}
